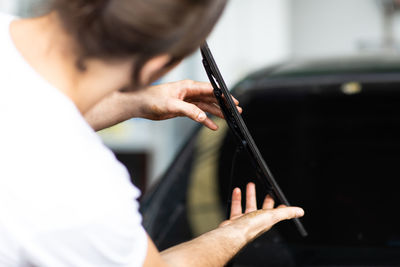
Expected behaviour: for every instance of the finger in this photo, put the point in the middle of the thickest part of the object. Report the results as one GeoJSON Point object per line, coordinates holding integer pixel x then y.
{"type": "Point", "coordinates": [210, 108]}
{"type": "Point", "coordinates": [213, 108]}
{"type": "Point", "coordinates": [286, 213]}
{"type": "Point", "coordinates": [281, 206]}
{"type": "Point", "coordinates": [268, 203]}
{"type": "Point", "coordinates": [207, 99]}
{"type": "Point", "coordinates": [196, 89]}
{"type": "Point", "coordinates": [235, 101]}
{"type": "Point", "coordinates": [251, 201]}
{"type": "Point", "coordinates": [209, 123]}
{"type": "Point", "coordinates": [204, 99]}
{"type": "Point", "coordinates": [190, 110]}
{"type": "Point", "coordinates": [193, 112]}
{"type": "Point", "coordinates": [182, 108]}
{"type": "Point", "coordinates": [236, 206]}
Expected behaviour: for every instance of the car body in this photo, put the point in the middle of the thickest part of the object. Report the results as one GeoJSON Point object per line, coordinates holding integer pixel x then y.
{"type": "Point", "coordinates": [329, 129]}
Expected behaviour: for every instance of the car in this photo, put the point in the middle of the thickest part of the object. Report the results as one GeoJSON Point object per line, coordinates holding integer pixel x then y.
{"type": "Point", "coordinates": [329, 129]}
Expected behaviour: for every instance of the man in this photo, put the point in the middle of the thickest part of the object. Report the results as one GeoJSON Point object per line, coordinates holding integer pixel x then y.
{"type": "Point", "coordinates": [64, 198]}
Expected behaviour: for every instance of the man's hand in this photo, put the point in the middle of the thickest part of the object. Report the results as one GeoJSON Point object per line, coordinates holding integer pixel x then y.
{"type": "Point", "coordinates": [178, 99]}
{"type": "Point", "coordinates": [218, 246]}
{"type": "Point", "coordinates": [261, 220]}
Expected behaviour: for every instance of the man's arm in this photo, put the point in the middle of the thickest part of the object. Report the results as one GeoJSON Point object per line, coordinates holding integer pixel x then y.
{"type": "Point", "coordinates": [217, 247]}
{"type": "Point", "coordinates": [185, 98]}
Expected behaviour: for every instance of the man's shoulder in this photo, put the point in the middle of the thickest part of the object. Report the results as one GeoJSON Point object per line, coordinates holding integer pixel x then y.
{"type": "Point", "coordinates": [5, 21]}
{"type": "Point", "coordinates": [6, 18]}
{"type": "Point", "coordinates": [5, 38]}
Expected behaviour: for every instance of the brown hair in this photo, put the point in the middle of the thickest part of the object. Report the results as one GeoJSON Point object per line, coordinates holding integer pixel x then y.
{"type": "Point", "coordinates": [142, 29]}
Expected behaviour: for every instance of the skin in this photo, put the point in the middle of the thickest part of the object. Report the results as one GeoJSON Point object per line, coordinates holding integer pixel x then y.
{"type": "Point", "coordinates": [184, 98]}
{"type": "Point", "coordinates": [96, 93]}
{"type": "Point", "coordinates": [211, 248]}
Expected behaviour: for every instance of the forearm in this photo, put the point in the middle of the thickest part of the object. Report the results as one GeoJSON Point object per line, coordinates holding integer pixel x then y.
{"type": "Point", "coordinates": [217, 247]}
{"type": "Point", "coordinates": [116, 108]}
{"type": "Point", "coordinates": [214, 248]}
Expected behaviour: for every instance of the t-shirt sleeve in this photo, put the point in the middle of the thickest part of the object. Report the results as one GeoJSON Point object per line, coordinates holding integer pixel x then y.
{"type": "Point", "coordinates": [117, 239]}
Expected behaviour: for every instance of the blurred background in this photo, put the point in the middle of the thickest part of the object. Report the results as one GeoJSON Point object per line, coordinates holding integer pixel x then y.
{"type": "Point", "coordinates": [251, 34]}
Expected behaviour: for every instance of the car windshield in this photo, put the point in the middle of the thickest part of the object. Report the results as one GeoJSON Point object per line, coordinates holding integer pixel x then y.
{"type": "Point", "coordinates": [334, 149]}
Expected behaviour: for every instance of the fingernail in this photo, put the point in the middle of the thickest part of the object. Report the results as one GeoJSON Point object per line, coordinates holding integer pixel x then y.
{"type": "Point", "coordinates": [201, 117]}
{"type": "Point", "coordinates": [299, 213]}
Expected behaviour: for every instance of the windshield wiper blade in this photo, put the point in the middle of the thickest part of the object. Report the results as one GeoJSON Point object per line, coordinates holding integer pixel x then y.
{"type": "Point", "coordinates": [240, 131]}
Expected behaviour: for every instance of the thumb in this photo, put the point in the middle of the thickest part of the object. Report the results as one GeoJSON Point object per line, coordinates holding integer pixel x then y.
{"type": "Point", "coordinates": [285, 213]}
{"type": "Point", "coordinates": [261, 221]}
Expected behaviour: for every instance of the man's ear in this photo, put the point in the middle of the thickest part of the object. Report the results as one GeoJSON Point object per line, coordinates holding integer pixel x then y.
{"type": "Point", "coordinates": [154, 69]}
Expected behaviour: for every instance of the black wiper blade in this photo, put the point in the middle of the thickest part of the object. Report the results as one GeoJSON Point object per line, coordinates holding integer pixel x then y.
{"type": "Point", "coordinates": [240, 131]}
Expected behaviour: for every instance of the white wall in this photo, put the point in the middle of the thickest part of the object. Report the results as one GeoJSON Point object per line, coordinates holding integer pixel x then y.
{"type": "Point", "coordinates": [251, 34]}
{"type": "Point", "coordinates": [339, 27]}
{"type": "Point", "coordinates": [8, 6]}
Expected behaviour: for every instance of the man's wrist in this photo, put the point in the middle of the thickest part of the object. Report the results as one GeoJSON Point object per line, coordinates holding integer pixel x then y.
{"type": "Point", "coordinates": [238, 232]}
{"type": "Point", "coordinates": [128, 105]}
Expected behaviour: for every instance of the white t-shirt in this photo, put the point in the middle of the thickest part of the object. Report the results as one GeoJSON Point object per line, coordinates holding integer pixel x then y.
{"type": "Point", "coordinates": [64, 198]}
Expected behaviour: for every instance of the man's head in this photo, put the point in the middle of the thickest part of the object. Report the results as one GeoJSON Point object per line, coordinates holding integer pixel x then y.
{"type": "Point", "coordinates": [166, 30]}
